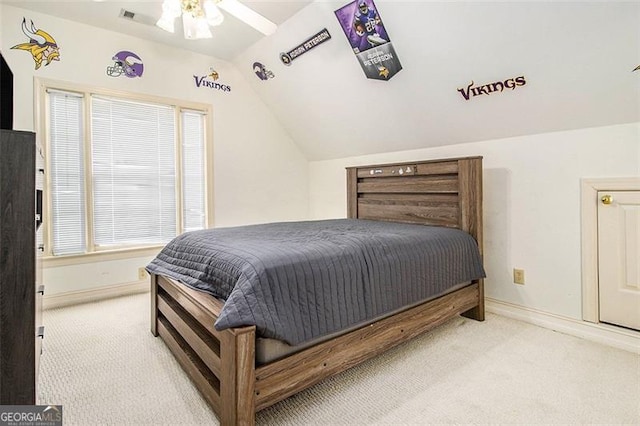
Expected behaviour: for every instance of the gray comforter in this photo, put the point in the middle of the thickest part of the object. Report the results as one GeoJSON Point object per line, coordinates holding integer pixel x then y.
{"type": "Point", "coordinates": [296, 281]}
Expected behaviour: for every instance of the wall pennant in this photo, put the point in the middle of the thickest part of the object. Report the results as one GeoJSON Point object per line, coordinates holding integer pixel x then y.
{"type": "Point", "coordinates": [305, 46]}
{"type": "Point", "coordinates": [41, 45]}
{"type": "Point", "coordinates": [262, 72]}
{"type": "Point", "coordinates": [210, 81]}
{"type": "Point", "coordinates": [126, 64]}
{"type": "Point", "coordinates": [369, 40]}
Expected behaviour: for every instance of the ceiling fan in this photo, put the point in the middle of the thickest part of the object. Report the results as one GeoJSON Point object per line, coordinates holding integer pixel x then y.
{"type": "Point", "coordinates": [199, 15]}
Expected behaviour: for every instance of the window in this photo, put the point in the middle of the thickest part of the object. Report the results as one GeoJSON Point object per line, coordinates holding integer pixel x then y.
{"type": "Point", "coordinates": [123, 172]}
{"type": "Point", "coordinates": [66, 173]}
{"type": "Point", "coordinates": [193, 170]}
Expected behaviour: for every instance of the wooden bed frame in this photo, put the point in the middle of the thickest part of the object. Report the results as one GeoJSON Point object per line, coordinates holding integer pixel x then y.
{"type": "Point", "coordinates": [222, 363]}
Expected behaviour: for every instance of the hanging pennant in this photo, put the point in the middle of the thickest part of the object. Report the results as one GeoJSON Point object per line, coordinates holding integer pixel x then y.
{"type": "Point", "coordinates": [305, 46]}
{"type": "Point", "coordinates": [369, 40]}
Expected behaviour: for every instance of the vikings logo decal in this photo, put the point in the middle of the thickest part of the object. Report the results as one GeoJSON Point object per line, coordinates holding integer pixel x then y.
{"type": "Point", "coordinates": [126, 63]}
{"type": "Point", "coordinates": [262, 72]}
{"type": "Point", "coordinates": [383, 71]}
{"type": "Point", "coordinates": [41, 45]}
{"type": "Point", "coordinates": [211, 81]}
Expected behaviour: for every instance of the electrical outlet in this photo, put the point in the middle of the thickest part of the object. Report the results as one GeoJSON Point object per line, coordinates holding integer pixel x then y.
{"type": "Point", "coordinates": [142, 274]}
{"type": "Point", "coordinates": [518, 276]}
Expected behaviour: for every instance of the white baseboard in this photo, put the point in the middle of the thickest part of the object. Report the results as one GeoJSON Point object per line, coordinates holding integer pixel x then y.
{"type": "Point", "coordinates": [617, 337]}
{"type": "Point", "coordinates": [94, 294]}
{"type": "Point", "coordinates": [601, 333]}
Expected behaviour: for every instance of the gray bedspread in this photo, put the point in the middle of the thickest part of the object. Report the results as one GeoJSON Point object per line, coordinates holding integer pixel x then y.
{"type": "Point", "coordinates": [296, 281]}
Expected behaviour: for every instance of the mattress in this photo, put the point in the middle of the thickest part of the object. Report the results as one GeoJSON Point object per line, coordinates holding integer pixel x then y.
{"type": "Point", "coordinates": [300, 281]}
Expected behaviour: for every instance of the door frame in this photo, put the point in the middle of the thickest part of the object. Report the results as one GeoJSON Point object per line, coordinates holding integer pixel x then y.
{"type": "Point", "coordinates": [589, 237]}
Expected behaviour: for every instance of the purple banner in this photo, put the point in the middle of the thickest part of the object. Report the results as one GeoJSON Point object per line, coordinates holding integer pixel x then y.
{"type": "Point", "coordinates": [364, 29]}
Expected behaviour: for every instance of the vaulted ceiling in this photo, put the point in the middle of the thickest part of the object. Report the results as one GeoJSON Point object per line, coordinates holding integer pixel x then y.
{"type": "Point", "coordinates": [576, 59]}
{"type": "Point", "coordinates": [230, 38]}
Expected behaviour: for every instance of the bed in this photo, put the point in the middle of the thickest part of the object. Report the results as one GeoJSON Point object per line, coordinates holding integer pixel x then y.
{"type": "Point", "coordinates": [222, 361]}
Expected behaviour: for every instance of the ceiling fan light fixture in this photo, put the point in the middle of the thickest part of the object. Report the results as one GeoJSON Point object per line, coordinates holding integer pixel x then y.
{"type": "Point", "coordinates": [171, 8]}
{"type": "Point", "coordinates": [213, 14]}
{"type": "Point", "coordinates": [198, 15]}
{"type": "Point", "coordinates": [195, 27]}
{"type": "Point", "coordinates": [202, 28]}
{"type": "Point", "coordinates": [167, 23]}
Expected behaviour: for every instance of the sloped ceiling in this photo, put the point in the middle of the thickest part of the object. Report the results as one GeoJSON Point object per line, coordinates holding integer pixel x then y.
{"type": "Point", "coordinates": [576, 57]}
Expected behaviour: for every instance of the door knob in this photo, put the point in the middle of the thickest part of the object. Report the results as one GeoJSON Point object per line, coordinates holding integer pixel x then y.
{"type": "Point", "coordinates": [607, 199]}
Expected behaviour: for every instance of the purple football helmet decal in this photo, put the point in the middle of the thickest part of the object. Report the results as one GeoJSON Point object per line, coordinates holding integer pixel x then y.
{"type": "Point", "coordinates": [126, 63]}
{"type": "Point", "coordinates": [260, 71]}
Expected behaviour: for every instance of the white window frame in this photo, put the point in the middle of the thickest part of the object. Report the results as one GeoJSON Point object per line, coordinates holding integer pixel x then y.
{"type": "Point", "coordinates": [93, 253]}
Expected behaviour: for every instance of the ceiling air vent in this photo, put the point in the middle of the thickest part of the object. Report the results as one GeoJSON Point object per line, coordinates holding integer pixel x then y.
{"type": "Point", "coordinates": [127, 14]}
{"type": "Point", "coordinates": [137, 17]}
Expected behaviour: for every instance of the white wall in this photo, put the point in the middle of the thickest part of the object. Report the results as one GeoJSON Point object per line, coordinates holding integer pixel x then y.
{"type": "Point", "coordinates": [577, 58]}
{"type": "Point", "coordinates": [259, 173]}
{"type": "Point", "coordinates": [531, 182]}
{"type": "Point", "coordinates": [531, 204]}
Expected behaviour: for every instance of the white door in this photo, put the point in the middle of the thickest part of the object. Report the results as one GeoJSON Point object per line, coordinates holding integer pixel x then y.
{"type": "Point", "coordinates": [619, 257]}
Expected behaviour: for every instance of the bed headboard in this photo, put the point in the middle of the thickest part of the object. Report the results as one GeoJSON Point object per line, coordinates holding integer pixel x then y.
{"type": "Point", "coordinates": [444, 192]}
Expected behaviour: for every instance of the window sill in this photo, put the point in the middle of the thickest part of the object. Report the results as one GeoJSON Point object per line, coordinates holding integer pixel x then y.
{"type": "Point", "coordinates": [99, 256]}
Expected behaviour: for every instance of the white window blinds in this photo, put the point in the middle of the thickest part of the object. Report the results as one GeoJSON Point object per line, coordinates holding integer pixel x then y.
{"type": "Point", "coordinates": [193, 177]}
{"type": "Point", "coordinates": [67, 173]}
{"type": "Point", "coordinates": [126, 177]}
{"type": "Point", "coordinates": [133, 172]}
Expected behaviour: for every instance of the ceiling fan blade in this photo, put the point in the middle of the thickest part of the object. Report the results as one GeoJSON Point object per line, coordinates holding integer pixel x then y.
{"type": "Point", "coordinates": [248, 16]}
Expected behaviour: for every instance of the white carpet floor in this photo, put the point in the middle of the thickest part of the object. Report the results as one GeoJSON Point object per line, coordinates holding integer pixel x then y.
{"type": "Point", "coordinates": [103, 365]}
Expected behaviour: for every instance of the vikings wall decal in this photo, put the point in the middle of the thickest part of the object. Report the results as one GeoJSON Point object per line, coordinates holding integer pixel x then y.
{"type": "Point", "coordinates": [473, 90]}
{"type": "Point", "coordinates": [213, 75]}
{"type": "Point", "coordinates": [41, 45]}
{"type": "Point", "coordinates": [126, 63]}
{"type": "Point", "coordinates": [262, 72]}
{"type": "Point", "coordinates": [210, 81]}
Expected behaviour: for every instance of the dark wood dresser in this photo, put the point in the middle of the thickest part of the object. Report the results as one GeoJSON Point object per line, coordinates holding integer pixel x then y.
{"type": "Point", "coordinates": [21, 330]}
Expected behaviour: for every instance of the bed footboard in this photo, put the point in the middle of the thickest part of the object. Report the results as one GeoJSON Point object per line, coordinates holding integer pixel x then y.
{"type": "Point", "coordinates": [220, 363]}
